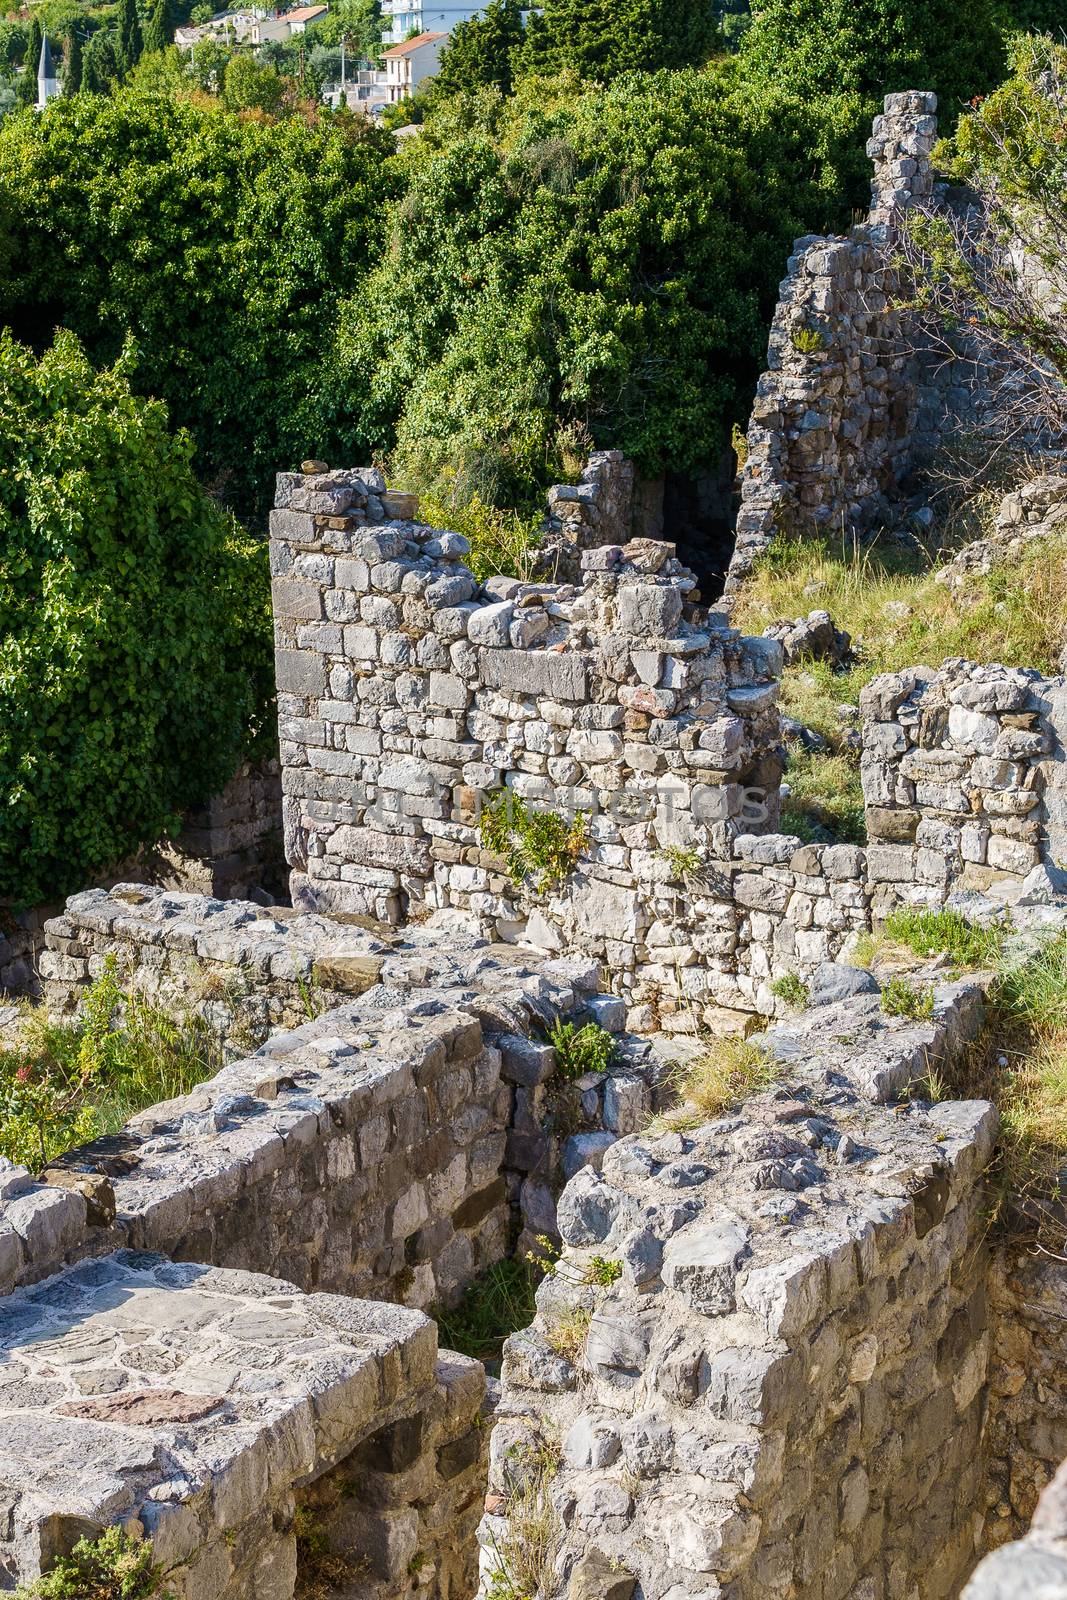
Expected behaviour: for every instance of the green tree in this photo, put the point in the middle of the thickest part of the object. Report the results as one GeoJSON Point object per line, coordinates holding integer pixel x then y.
{"type": "Point", "coordinates": [608, 257]}
{"type": "Point", "coordinates": [159, 30]}
{"type": "Point", "coordinates": [72, 62]}
{"type": "Point", "coordinates": [128, 41]}
{"type": "Point", "coordinates": [1039, 16]}
{"type": "Point", "coordinates": [480, 51]}
{"type": "Point", "coordinates": [26, 88]}
{"type": "Point", "coordinates": [222, 245]}
{"type": "Point", "coordinates": [247, 84]}
{"type": "Point", "coordinates": [135, 624]}
{"type": "Point", "coordinates": [601, 38]}
{"type": "Point", "coordinates": [878, 47]}
{"type": "Point", "coordinates": [100, 65]}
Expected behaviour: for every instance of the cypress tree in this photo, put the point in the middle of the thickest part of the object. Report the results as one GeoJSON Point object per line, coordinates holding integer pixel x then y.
{"type": "Point", "coordinates": [159, 30]}
{"type": "Point", "coordinates": [602, 38]}
{"type": "Point", "coordinates": [479, 53]}
{"type": "Point", "coordinates": [26, 88]}
{"type": "Point", "coordinates": [129, 44]}
{"type": "Point", "coordinates": [101, 64]}
{"type": "Point", "coordinates": [72, 62]}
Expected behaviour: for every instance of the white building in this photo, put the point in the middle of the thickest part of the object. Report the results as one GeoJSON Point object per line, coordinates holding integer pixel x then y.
{"type": "Point", "coordinates": [408, 64]}
{"type": "Point", "coordinates": [252, 27]}
{"type": "Point", "coordinates": [399, 17]}
{"type": "Point", "coordinates": [47, 82]}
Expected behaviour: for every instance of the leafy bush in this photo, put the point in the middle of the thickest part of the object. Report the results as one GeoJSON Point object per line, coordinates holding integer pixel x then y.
{"type": "Point", "coordinates": [67, 1082]}
{"type": "Point", "coordinates": [136, 623]}
{"type": "Point", "coordinates": [599, 39]}
{"type": "Point", "coordinates": [901, 998]}
{"type": "Point", "coordinates": [552, 246]}
{"type": "Point", "coordinates": [112, 1567]}
{"type": "Point", "coordinates": [876, 47]}
{"type": "Point", "coordinates": [222, 244]}
{"type": "Point", "coordinates": [532, 842]}
{"type": "Point", "coordinates": [582, 1050]}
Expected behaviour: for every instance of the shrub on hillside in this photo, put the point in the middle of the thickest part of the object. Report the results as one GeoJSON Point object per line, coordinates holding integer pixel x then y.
{"type": "Point", "coordinates": [605, 255]}
{"type": "Point", "coordinates": [221, 243]}
{"type": "Point", "coordinates": [135, 622]}
{"type": "Point", "coordinates": [599, 39]}
{"type": "Point", "coordinates": [878, 47]}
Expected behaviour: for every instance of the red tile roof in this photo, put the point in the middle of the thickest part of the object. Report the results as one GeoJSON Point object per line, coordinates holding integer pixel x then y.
{"type": "Point", "coordinates": [413, 44]}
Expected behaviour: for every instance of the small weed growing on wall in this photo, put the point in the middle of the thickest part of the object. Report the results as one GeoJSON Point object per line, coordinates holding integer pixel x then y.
{"type": "Point", "coordinates": [903, 999]}
{"type": "Point", "coordinates": [807, 340]}
{"type": "Point", "coordinates": [522, 1557]}
{"type": "Point", "coordinates": [683, 863]}
{"type": "Point", "coordinates": [67, 1082]}
{"type": "Point", "coordinates": [112, 1567]}
{"type": "Point", "coordinates": [935, 933]}
{"type": "Point", "coordinates": [566, 1334]}
{"type": "Point", "coordinates": [603, 1272]}
{"type": "Point", "coordinates": [582, 1050]}
{"type": "Point", "coordinates": [541, 844]}
{"type": "Point", "coordinates": [791, 989]}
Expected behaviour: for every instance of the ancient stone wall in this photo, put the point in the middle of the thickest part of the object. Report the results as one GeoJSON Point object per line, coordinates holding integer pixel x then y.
{"type": "Point", "coordinates": [392, 1146]}
{"type": "Point", "coordinates": [963, 780]}
{"type": "Point", "coordinates": [834, 422]}
{"type": "Point", "coordinates": [597, 510]}
{"type": "Point", "coordinates": [260, 1437]}
{"type": "Point", "coordinates": [763, 1353]}
{"type": "Point", "coordinates": [409, 697]}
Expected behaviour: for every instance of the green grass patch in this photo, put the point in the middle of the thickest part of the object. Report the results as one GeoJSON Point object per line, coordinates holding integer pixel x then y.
{"type": "Point", "coordinates": [936, 933]}
{"type": "Point", "coordinates": [70, 1081]}
{"type": "Point", "coordinates": [730, 1071]}
{"type": "Point", "coordinates": [497, 1304]}
{"type": "Point", "coordinates": [825, 800]}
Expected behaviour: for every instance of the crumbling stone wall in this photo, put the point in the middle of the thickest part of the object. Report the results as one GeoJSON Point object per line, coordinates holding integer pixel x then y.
{"type": "Point", "coordinates": [834, 425]}
{"type": "Point", "coordinates": [408, 695]}
{"type": "Point", "coordinates": [963, 780]}
{"type": "Point", "coordinates": [250, 1431]}
{"type": "Point", "coordinates": [763, 1353]}
{"type": "Point", "coordinates": [1026, 1431]}
{"type": "Point", "coordinates": [597, 510]}
{"type": "Point", "coordinates": [391, 1147]}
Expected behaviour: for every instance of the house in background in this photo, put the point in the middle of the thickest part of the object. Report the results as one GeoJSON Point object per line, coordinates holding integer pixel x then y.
{"type": "Point", "coordinates": [399, 17]}
{"type": "Point", "coordinates": [254, 27]}
{"type": "Point", "coordinates": [408, 64]}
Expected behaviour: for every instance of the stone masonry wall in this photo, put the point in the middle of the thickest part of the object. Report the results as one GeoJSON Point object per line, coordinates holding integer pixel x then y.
{"type": "Point", "coordinates": [597, 510]}
{"type": "Point", "coordinates": [261, 1438]}
{"type": "Point", "coordinates": [762, 1357]}
{"type": "Point", "coordinates": [408, 695]}
{"type": "Point", "coordinates": [963, 779]}
{"type": "Point", "coordinates": [833, 426]}
{"type": "Point", "coordinates": [390, 1147]}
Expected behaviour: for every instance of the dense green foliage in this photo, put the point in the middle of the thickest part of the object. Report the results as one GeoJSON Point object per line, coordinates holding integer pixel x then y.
{"type": "Point", "coordinates": [220, 244]}
{"type": "Point", "coordinates": [601, 38]}
{"type": "Point", "coordinates": [610, 256]}
{"type": "Point", "coordinates": [136, 641]}
{"type": "Point", "coordinates": [480, 51]}
{"type": "Point", "coordinates": [876, 47]}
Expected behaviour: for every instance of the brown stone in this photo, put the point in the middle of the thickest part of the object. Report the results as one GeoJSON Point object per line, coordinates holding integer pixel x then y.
{"type": "Point", "coordinates": [898, 824]}
{"type": "Point", "coordinates": [596, 1577]}
{"type": "Point", "coordinates": [348, 974]}
{"type": "Point", "coordinates": [95, 1189]}
{"type": "Point", "coordinates": [144, 1408]}
{"type": "Point", "coordinates": [309, 468]}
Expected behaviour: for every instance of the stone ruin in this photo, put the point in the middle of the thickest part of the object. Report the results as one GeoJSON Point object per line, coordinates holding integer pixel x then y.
{"type": "Point", "coordinates": [779, 1355]}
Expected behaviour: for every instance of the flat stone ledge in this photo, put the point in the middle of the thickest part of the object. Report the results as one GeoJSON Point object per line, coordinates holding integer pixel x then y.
{"type": "Point", "coordinates": [186, 1402]}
